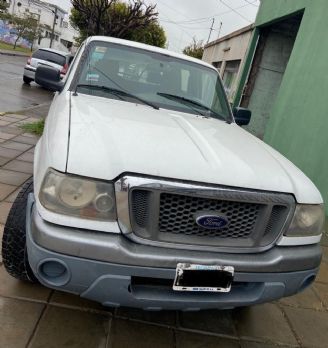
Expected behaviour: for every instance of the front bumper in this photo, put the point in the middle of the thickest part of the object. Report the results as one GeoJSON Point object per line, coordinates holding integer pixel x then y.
{"type": "Point", "coordinates": [114, 271]}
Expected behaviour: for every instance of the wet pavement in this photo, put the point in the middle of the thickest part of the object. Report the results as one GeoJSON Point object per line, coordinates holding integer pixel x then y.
{"type": "Point", "coordinates": [33, 316]}
{"type": "Point", "coordinates": [14, 95]}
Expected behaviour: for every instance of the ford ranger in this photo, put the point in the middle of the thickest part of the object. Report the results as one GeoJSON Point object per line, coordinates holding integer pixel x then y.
{"type": "Point", "coordinates": [148, 193]}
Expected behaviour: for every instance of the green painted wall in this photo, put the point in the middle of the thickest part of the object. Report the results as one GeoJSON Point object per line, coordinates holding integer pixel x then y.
{"type": "Point", "coordinates": [270, 11]}
{"type": "Point", "coordinates": [275, 10]}
{"type": "Point", "coordinates": [298, 125]}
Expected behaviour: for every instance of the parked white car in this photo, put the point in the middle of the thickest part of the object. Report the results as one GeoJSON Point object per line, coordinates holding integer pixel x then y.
{"type": "Point", "coordinates": [48, 57]}
{"type": "Point", "coordinates": [148, 193]}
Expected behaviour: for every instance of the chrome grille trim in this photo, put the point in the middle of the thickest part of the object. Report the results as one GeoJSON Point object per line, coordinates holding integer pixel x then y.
{"type": "Point", "coordinates": [127, 184]}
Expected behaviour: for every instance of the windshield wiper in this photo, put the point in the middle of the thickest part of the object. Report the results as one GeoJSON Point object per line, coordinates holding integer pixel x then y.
{"type": "Point", "coordinates": [193, 102]}
{"type": "Point", "coordinates": [119, 93]}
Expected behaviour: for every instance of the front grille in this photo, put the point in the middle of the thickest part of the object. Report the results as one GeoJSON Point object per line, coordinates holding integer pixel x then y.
{"type": "Point", "coordinates": [276, 218]}
{"type": "Point", "coordinates": [255, 219]}
{"type": "Point", "coordinates": [140, 207]}
{"type": "Point", "coordinates": [177, 215]}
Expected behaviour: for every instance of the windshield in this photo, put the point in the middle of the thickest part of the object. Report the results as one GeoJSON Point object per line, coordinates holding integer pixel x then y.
{"type": "Point", "coordinates": [160, 80]}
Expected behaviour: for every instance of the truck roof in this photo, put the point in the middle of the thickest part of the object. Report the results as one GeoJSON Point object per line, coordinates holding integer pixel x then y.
{"type": "Point", "coordinates": [149, 48]}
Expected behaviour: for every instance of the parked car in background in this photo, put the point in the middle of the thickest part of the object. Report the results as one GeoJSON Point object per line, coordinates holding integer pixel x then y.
{"type": "Point", "coordinates": [49, 57]}
{"type": "Point", "coordinates": [147, 192]}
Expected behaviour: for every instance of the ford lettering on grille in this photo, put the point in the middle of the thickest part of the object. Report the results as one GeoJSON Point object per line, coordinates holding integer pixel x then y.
{"type": "Point", "coordinates": [212, 222]}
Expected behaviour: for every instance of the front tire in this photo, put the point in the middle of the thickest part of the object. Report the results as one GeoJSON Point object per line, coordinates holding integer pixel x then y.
{"type": "Point", "coordinates": [27, 80]}
{"type": "Point", "coordinates": [14, 252]}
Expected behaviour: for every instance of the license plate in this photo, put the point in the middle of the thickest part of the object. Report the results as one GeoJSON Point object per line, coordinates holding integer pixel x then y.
{"type": "Point", "coordinates": [190, 277]}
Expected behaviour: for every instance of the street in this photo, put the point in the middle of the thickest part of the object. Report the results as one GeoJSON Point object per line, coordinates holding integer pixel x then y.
{"type": "Point", "coordinates": [14, 95]}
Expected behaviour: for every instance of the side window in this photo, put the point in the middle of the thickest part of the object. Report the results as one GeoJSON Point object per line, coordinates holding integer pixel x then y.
{"type": "Point", "coordinates": [73, 61]}
{"type": "Point", "coordinates": [229, 77]}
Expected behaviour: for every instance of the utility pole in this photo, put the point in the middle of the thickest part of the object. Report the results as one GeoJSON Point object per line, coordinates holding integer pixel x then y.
{"type": "Point", "coordinates": [212, 28]}
{"type": "Point", "coordinates": [53, 27]}
{"type": "Point", "coordinates": [13, 9]}
{"type": "Point", "coordinates": [220, 28]}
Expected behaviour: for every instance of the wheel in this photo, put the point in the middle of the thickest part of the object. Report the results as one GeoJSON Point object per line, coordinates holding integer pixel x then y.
{"type": "Point", "coordinates": [14, 253]}
{"type": "Point", "coordinates": [27, 80]}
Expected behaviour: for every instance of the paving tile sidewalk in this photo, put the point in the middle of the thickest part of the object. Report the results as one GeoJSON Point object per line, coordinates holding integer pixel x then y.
{"type": "Point", "coordinates": [36, 317]}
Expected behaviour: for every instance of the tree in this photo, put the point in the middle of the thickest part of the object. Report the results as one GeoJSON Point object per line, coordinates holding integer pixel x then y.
{"type": "Point", "coordinates": [3, 9]}
{"type": "Point", "coordinates": [154, 35]}
{"type": "Point", "coordinates": [25, 27]}
{"type": "Point", "coordinates": [34, 33]}
{"type": "Point", "coordinates": [132, 21]}
{"type": "Point", "coordinates": [195, 49]}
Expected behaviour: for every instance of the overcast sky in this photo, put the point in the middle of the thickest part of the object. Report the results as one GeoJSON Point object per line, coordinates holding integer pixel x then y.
{"type": "Point", "coordinates": [185, 19]}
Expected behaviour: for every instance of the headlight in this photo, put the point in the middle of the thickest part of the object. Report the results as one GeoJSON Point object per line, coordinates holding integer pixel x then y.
{"type": "Point", "coordinates": [308, 220]}
{"type": "Point", "coordinates": [77, 196]}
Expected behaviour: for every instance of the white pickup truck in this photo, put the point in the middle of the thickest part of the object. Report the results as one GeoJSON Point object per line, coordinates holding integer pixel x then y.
{"type": "Point", "coordinates": [147, 192]}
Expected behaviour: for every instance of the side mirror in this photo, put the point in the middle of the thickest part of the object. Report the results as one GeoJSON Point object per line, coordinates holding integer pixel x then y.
{"type": "Point", "coordinates": [49, 78]}
{"type": "Point", "coordinates": [242, 116]}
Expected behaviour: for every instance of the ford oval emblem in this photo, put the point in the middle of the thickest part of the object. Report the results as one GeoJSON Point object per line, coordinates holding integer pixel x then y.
{"type": "Point", "coordinates": [212, 222]}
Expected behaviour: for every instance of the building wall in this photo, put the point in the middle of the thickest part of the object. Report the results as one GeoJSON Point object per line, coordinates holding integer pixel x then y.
{"type": "Point", "coordinates": [298, 125]}
{"type": "Point", "coordinates": [46, 16]}
{"type": "Point", "coordinates": [237, 47]}
{"type": "Point", "coordinates": [6, 35]}
{"type": "Point", "coordinates": [44, 12]}
{"type": "Point", "coordinates": [228, 49]}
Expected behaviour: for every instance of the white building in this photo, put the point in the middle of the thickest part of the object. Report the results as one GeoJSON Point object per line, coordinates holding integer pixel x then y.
{"type": "Point", "coordinates": [52, 18]}
{"type": "Point", "coordinates": [227, 54]}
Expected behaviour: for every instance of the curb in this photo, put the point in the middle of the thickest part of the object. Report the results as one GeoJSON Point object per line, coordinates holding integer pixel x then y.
{"type": "Point", "coordinates": [14, 54]}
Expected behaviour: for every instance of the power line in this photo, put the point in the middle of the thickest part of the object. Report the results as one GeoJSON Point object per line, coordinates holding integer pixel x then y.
{"type": "Point", "coordinates": [173, 9]}
{"type": "Point", "coordinates": [252, 3]}
{"type": "Point", "coordinates": [204, 19]}
{"type": "Point", "coordinates": [191, 25]}
{"type": "Point", "coordinates": [234, 10]}
{"type": "Point", "coordinates": [189, 22]}
{"type": "Point", "coordinates": [182, 29]}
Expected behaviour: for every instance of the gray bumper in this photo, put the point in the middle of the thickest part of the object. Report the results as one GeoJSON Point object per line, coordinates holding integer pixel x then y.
{"type": "Point", "coordinates": [114, 271]}
{"type": "Point", "coordinates": [29, 72]}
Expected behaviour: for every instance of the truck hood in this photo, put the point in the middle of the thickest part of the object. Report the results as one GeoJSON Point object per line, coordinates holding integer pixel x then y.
{"type": "Point", "coordinates": [110, 137]}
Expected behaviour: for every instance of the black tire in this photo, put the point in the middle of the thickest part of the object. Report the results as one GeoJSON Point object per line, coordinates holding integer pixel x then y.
{"type": "Point", "coordinates": [14, 253]}
{"type": "Point", "coordinates": [27, 80]}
